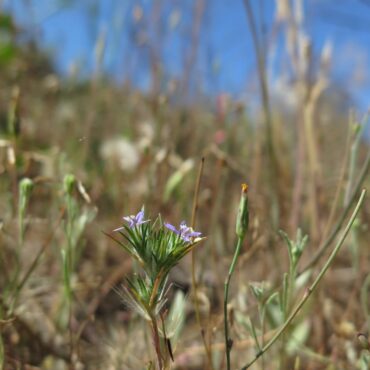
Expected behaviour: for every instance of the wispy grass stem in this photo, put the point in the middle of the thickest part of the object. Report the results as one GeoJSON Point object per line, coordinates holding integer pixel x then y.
{"type": "Point", "coordinates": [313, 286]}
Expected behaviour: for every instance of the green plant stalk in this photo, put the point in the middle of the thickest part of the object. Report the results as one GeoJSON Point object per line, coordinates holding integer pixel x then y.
{"type": "Point", "coordinates": [288, 299]}
{"type": "Point", "coordinates": [25, 188]}
{"type": "Point", "coordinates": [263, 323]}
{"type": "Point", "coordinates": [355, 247]}
{"type": "Point", "coordinates": [323, 247]}
{"type": "Point", "coordinates": [68, 261]}
{"type": "Point", "coordinates": [313, 286]}
{"type": "Point", "coordinates": [69, 252]}
{"type": "Point", "coordinates": [352, 168]}
{"type": "Point", "coordinates": [228, 343]}
{"type": "Point", "coordinates": [360, 128]}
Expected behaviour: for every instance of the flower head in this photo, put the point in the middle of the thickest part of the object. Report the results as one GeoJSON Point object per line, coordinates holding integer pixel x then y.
{"type": "Point", "coordinates": [185, 232]}
{"type": "Point", "coordinates": [134, 220]}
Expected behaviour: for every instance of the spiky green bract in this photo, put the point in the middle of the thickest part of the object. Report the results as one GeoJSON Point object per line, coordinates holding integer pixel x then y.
{"type": "Point", "coordinates": [158, 250]}
{"type": "Point", "coordinates": [142, 295]}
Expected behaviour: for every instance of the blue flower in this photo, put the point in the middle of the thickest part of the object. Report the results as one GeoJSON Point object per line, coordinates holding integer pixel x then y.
{"type": "Point", "coordinates": [185, 232]}
{"type": "Point", "coordinates": [134, 221]}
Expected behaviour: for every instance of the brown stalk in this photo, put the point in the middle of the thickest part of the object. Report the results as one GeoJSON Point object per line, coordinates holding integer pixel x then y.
{"type": "Point", "coordinates": [191, 58]}
{"type": "Point", "coordinates": [157, 343]}
{"type": "Point", "coordinates": [298, 182]}
{"type": "Point", "coordinates": [312, 153]}
{"type": "Point", "coordinates": [193, 266]}
{"type": "Point", "coordinates": [273, 163]}
{"type": "Point", "coordinates": [334, 206]}
{"type": "Point", "coordinates": [324, 246]}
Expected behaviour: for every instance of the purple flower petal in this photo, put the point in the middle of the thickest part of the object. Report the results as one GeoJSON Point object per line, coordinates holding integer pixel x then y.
{"type": "Point", "coordinates": [134, 220]}
{"type": "Point", "coordinates": [195, 234]}
{"type": "Point", "coordinates": [172, 228]}
{"type": "Point", "coordinates": [185, 232]}
{"type": "Point", "coordinates": [139, 217]}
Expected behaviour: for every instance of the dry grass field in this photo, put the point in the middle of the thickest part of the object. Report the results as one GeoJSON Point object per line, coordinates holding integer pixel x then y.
{"type": "Point", "coordinates": [76, 157]}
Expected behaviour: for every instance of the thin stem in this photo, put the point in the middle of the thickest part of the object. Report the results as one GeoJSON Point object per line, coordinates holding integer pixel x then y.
{"type": "Point", "coordinates": [39, 254]}
{"type": "Point", "coordinates": [155, 289]}
{"type": "Point", "coordinates": [335, 203]}
{"type": "Point", "coordinates": [196, 193]}
{"type": "Point", "coordinates": [342, 217]}
{"type": "Point", "coordinates": [157, 343]}
{"type": "Point", "coordinates": [265, 100]}
{"type": "Point", "coordinates": [193, 274]}
{"type": "Point", "coordinates": [353, 159]}
{"type": "Point", "coordinates": [228, 341]}
{"type": "Point", "coordinates": [313, 286]}
{"type": "Point", "coordinates": [262, 78]}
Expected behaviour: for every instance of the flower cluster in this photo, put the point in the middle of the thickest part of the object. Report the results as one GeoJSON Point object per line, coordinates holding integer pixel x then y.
{"type": "Point", "coordinates": [185, 232]}
{"type": "Point", "coordinates": [157, 247]}
{"type": "Point", "coordinates": [133, 221]}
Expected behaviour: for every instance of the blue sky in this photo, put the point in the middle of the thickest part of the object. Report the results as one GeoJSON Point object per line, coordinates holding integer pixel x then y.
{"type": "Point", "coordinates": [69, 30]}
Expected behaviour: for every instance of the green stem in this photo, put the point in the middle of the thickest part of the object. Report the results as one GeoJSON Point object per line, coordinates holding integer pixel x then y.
{"type": "Point", "coordinates": [228, 341]}
{"type": "Point", "coordinates": [341, 219]}
{"type": "Point", "coordinates": [353, 158]}
{"type": "Point", "coordinates": [311, 289]}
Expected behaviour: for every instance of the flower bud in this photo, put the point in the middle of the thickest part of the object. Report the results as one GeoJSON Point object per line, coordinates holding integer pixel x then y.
{"type": "Point", "coordinates": [243, 213]}
{"type": "Point", "coordinates": [25, 187]}
{"type": "Point", "coordinates": [69, 183]}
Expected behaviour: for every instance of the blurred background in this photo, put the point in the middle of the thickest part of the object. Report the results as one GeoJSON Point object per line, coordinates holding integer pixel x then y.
{"type": "Point", "coordinates": [128, 96]}
{"type": "Point", "coordinates": [196, 49]}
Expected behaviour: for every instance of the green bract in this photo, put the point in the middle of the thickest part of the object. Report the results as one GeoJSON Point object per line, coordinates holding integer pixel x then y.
{"type": "Point", "coordinates": [158, 249]}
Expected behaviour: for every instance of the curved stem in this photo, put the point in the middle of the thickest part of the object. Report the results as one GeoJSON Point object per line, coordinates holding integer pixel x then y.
{"type": "Point", "coordinates": [341, 219]}
{"type": "Point", "coordinates": [228, 340]}
{"type": "Point", "coordinates": [313, 286]}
